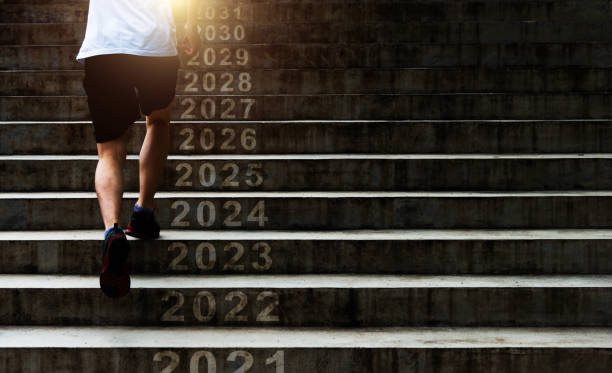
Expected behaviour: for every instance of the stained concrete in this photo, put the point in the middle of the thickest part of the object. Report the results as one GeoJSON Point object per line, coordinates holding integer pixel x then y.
{"type": "Point", "coordinates": [331, 137]}
{"type": "Point", "coordinates": [323, 173]}
{"type": "Point", "coordinates": [358, 252]}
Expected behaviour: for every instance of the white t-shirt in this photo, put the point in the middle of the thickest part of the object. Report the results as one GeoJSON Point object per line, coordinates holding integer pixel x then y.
{"type": "Point", "coordinates": [139, 27]}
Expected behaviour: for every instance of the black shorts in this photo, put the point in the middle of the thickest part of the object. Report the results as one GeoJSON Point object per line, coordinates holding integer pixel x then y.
{"type": "Point", "coordinates": [121, 86]}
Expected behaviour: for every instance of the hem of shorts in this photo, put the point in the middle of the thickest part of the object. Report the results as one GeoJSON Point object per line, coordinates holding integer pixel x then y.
{"type": "Point", "coordinates": [137, 52]}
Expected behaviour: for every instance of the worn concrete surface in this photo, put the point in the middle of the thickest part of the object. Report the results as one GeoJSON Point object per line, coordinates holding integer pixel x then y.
{"type": "Point", "coordinates": [323, 210]}
{"type": "Point", "coordinates": [366, 55]}
{"type": "Point", "coordinates": [364, 11]}
{"type": "Point", "coordinates": [449, 32]}
{"type": "Point", "coordinates": [328, 137]}
{"type": "Point", "coordinates": [332, 304]}
{"type": "Point", "coordinates": [361, 252]}
{"type": "Point", "coordinates": [314, 360]}
{"type": "Point", "coordinates": [340, 107]}
{"type": "Point", "coordinates": [324, 173]}
{"type": "Point", "coordinates": [374, 338]}
{"type": "Point", "coordinates": [335, 81]}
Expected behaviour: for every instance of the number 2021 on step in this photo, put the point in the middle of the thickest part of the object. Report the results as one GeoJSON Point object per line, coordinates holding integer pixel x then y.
{"type": "Point", "coordinates": [206, 362]}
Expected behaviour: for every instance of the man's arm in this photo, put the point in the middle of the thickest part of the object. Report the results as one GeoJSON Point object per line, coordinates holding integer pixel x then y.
{"type": "Point", "coordinates": [191, 43]}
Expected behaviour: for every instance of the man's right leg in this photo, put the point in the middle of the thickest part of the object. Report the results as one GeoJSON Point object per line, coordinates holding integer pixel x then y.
{"type": "Point", "coordinates": [156, 83]}
{"type": "Point", "coordinates": [152, 160]}
{"type": "Point", "coordinates": [109, 178]}
{"type": "Point", "coordinates": [153, 155]}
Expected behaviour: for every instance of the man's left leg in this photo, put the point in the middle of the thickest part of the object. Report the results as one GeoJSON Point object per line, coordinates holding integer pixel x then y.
{"type": "Point", "coordinates": [113, 106]}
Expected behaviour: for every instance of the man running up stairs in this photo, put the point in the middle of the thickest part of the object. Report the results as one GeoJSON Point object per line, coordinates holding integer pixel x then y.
{"type": "Point", "coordinates": [352, 186]}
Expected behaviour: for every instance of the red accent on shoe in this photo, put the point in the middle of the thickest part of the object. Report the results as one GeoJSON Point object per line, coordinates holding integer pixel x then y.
{"type": "Point", "coordinates": [106, 253]}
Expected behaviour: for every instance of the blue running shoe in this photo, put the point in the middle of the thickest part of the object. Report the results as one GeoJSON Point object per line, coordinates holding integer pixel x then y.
{"type": "Point", "coordinates": [142, 224]}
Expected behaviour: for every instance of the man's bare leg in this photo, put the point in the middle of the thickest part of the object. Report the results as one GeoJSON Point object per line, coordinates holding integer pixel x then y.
{"type": "Point", "coordinates": [109, 178]}
{"type": "Point", "coordinates": [153, 155]}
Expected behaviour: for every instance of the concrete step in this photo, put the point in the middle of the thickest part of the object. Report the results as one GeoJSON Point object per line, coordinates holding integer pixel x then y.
{"type": "Point", "coordinates": [324, 172]}
{"type": "Point", "coordinates": [41, 33]}
{"type": "Point", "coordinates": [343, 11]}
{"type": "Point", "coordinates": [315, 300]}
{"type": "Point", "coordinates": [334, 81]}
{"type": "Point", "coordinates": [412, 31]}
{"type": "Point", "coordinates": [355, 55]}
{"type": "Point", "coordinates": [322, 210]}
{"type": "Point", "coordinates": [362, 350]}
{"type": "Point", "coordinates": [485, 106]}
{"type": "Point", "coordinates": [499, 252]}
{"type": "Point", "coordinates": [383, 32]}
{"type": "Point", "coordinates": [282, 137]}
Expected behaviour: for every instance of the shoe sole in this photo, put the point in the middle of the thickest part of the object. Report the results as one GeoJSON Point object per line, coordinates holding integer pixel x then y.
{"type": "Point", "coordinates": [115, 281]}
{"type": "Point", "coordinates": [115, 286]}
{"type": "Point", "coordinates": [142, 236]}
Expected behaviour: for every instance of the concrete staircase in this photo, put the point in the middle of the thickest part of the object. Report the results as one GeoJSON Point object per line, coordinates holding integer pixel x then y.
{"type": "Point", "coordinates": [354, 186]}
